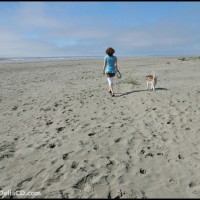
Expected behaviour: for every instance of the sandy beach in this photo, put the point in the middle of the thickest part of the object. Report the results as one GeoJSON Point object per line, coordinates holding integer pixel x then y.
{"type": "Point", "coordinates": [62, 135]}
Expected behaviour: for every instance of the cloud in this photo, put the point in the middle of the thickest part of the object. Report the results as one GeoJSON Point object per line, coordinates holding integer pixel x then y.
{"type": "Point", "coordinates": [65, 29]}
{"type": "Point", "coordinates": [33, 15]}
{"type": "Point", "coordinates": [14, 45]}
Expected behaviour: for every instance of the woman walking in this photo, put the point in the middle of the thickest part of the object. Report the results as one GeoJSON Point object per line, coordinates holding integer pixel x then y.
{"type": "Point", "coordinates": [110, 68]}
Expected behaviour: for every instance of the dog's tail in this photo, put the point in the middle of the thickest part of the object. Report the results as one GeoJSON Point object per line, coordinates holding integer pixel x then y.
{"type": "Point", "coordinates": [154, 78]}
{"type": "Point", "coordinates": [154, 75]}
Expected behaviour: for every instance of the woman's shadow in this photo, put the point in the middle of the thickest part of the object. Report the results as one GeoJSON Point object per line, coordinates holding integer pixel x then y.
{"type": "Point", "coordinates": [127, 93]}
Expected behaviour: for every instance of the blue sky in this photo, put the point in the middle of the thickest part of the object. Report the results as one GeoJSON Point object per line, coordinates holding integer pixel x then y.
{"type": "Point", "coordinates": [87, 28]}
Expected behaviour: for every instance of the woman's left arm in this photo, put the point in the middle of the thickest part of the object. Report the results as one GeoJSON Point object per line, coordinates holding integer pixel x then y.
{"type": "Point", "coordinates": [116, 66]}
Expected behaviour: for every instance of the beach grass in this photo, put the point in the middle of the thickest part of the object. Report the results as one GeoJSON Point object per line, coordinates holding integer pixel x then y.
{"type": "Point", "coordinates": [189, 58]}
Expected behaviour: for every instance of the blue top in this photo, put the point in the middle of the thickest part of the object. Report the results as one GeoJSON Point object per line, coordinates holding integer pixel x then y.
{"type": "Point", "coordinates": [110, 64]}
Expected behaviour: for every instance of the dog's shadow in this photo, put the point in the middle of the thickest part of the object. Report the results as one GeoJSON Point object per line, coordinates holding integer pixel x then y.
{"type": "Point", "coordinates": [127, 93]}
{"type": "Point", "coordinates": [162, 89]}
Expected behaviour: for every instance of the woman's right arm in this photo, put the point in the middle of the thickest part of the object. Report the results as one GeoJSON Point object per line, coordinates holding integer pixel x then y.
{"type": "Point", "coordinates": [104, 67]}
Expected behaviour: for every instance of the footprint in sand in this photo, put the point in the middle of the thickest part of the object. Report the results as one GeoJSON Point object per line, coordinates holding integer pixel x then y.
{"type": "Point", "coordinates": [74, 165]}
{"type": "Point", "coordinates": [96, 147]}
{"type": "Point", "coordinates": [142, 171]}
{"type": "Point", "coordinates": [142, 151]}
{"type": "Point", "coordinates": [149, 154]}
{"type": "Point", "coordinates": [117, 140]}
{"type": "Point", "coordinates": [60, 129]}
{"type": "Point", "coordinates": [66, 156]}
{"type": "Point", "coordinates": [49, 122]}
{"type": "Point", "coordinates": [91, 134]}
{"type": "Point", "coordinates": [83, 182]}
{"type": "Point", "coordinates": [59, 168]}
{"type": "Point", "coordinates": [192, 184]}
{"type": "Point", "coordinates": [22, 182]}
{"type": "Point", "coordinates": [52, 145]}
{"type": "Point", "coordinates": [15, 108]}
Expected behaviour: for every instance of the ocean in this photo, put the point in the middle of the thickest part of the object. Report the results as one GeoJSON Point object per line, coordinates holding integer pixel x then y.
{"type": "Point", "coordinates": [39, 59]}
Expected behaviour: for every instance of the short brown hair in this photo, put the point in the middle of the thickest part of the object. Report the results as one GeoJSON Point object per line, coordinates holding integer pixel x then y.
{"type": "Point", "coordinates": [110, 51]}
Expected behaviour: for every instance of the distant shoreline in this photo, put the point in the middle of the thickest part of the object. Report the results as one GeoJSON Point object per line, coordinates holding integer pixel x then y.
{"type": "Point", "coordinates": [78, 58]}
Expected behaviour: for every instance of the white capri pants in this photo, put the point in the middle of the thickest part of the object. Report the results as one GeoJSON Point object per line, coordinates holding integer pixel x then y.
{"type": "Point", "coordinates": [110, 80]}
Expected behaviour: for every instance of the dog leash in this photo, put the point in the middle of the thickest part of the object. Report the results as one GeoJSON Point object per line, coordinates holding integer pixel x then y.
{"type": "Point", "coordinates": [119, 74]}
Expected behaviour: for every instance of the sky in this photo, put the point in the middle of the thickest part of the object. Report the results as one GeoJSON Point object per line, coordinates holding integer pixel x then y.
{"type": "Point", "coordinates": [72, 28]}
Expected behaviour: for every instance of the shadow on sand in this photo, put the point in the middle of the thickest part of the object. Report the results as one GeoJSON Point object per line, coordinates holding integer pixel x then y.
{"type": "Point", "coordinates": [127, 93]}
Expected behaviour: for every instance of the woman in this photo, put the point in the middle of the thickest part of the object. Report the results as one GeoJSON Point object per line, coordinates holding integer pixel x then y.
{"type": "Point", "coordinates": [110, 68]}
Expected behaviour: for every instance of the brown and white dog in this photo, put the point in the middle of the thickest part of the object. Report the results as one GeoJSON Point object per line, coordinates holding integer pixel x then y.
{"type": "Point", "coordinates": [152, 81]}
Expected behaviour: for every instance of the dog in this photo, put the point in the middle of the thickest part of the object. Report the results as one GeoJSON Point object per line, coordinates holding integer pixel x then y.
{"type": "Point", "coordinates": [152, 81]}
